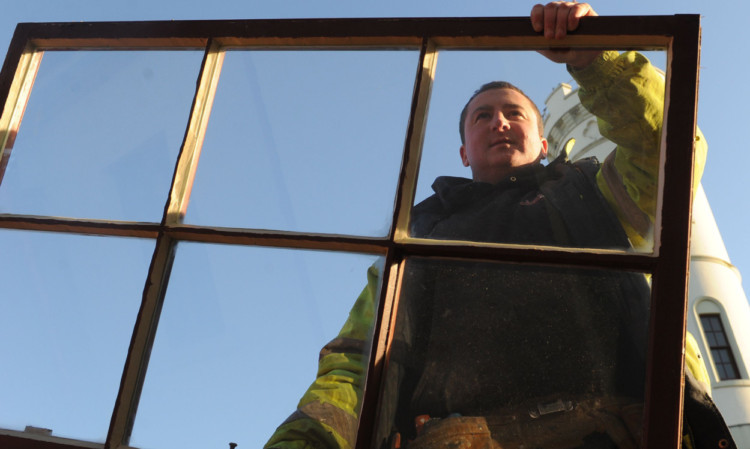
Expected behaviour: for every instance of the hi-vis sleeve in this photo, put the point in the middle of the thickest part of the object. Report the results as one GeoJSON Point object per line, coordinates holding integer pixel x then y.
{"type": "Point", "coordinates": [626, 94]}
{"type": "Point", "coordinates": [328, 413]}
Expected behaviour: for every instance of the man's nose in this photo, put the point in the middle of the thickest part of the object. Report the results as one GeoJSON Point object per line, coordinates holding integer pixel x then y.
{"type": "Point", "coordinates": [501, 123]}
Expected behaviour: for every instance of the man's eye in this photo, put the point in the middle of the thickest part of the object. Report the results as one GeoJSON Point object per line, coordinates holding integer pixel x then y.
{"type": "Point", "coordinates": [483, 115]}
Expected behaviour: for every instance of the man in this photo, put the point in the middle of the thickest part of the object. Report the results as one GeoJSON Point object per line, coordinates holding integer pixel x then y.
{"type": "Point", "coordinates": [554, 358]}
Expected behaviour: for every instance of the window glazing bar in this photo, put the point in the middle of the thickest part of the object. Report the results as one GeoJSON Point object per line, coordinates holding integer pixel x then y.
{"type": "Point", "coordinates": [144, 333]}
{"type": "Point", "coordinates": [187, 162]}
{"type": "Point", "coordinates": [15, 105]}
{"type": "Point", "coordinates": [414, 139]}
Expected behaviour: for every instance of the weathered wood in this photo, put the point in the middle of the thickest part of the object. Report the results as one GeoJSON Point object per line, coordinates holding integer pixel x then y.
{"type": "Point", "coordinates": [144, 332]}
{"type": "Point", "coordinates": [79, 226]}
{"type": "Point", "coordinates": [15, 105]}
{"type": "Point", "coordinates": [414, 138]}
{"type": "Point", "coordinates": [664, 382]}
{"type": "Point", "coordinates": [187, 161]}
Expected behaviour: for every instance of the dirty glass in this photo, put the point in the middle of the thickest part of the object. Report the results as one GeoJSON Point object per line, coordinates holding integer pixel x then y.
{"type": "Point", "coordinates": [533, 205]}
{"type": "Point", "coordinates": [239, 338]}
{"type": "Point", "coordinates": [530, 356]}
{"type": "Point", "coordinates": [100, 135]}
{"type": "Point", "coordinates": [299, 141]}
{"type": "Point", "coordinates": [68, 307]}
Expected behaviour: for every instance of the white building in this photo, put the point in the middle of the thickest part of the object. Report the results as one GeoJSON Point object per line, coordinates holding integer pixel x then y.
{"type": "Point", "coordinates": [718, 310]}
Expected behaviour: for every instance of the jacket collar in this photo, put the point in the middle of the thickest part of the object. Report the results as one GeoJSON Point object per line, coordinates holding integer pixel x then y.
{"type": "Point", "coordinates": [455, 192]}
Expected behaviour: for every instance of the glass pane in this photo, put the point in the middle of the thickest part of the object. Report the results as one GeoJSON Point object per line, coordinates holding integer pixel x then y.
{"type": "Point", "coordinates": [710, 323]}
{"type": "Point", "coordinates": [305, 141]}
{"type": "Point", "coordinates": [723, 375]}
{"type": "Point", "coordinates": [544, 356]}
{"type": "Point", "coordinates": [66, 319]}
{"type": "Point", "coordinates": [101, 134]}
{"type": "Point", "coordinates": [496, 186]}
{"type": "Point", "coordinates": [730, 370]}
{"type": "Point", "coordinates": [238, 341]}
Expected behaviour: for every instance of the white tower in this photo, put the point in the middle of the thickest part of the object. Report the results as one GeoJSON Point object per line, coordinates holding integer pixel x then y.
{"type": "Point", "coordinates": [718, 310]}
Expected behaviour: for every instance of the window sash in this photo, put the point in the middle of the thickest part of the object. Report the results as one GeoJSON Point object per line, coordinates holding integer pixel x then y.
{"type": "Point", "coordinates": [678, 34]}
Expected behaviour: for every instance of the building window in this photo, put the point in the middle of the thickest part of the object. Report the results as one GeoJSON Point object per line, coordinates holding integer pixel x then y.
{"type": "Point", "coordinates": [721, 352]}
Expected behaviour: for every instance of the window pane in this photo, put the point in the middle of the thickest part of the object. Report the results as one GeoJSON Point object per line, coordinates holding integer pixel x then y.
{"type": "Point", "coordinates": [517, 198]}
{"type": "Point", "coordinates": [305, 141]}
{"type": "Point", "coordinates": [238, 341]}
{"type": "Point", "coordinates": [541, 353]}
{"type": "Point", "coordinates": [66, 319]}
{"type": "Point", "coordinates": [722, 369]}
{"type": "Point", "coordinates": [101, 134]}
{"type": "Point", "coordinates": [731, 372]}
{"type": "Point", "coordinates": [710, 323]}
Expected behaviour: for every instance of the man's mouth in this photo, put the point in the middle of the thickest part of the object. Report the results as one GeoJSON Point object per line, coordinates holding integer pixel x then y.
{"type": "Point", "coordinates": [502, 143]}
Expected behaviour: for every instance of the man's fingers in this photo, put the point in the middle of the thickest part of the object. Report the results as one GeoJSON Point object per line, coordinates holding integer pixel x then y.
{"type": "Point", "coordinates": [537, 17]}
{"type": "Point", "coordinates": [559, 17]}
{"type": "Point", "coordinates": [561, 21]}
{"type": "Point", "coordinates": [578, 11]}
{"type": "Point", "coordinates": [550, 19]}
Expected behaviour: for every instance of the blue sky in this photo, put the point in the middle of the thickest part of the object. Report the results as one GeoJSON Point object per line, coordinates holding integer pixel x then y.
{"type": "Point", "coordinates": [723, 92]}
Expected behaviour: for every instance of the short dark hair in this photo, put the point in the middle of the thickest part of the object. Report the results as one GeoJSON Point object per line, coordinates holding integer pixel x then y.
{"type": "Point", "coordinates": [497, 85]}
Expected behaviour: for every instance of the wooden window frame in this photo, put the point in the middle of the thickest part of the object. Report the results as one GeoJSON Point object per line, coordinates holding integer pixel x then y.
{"type": "Point", "coordinates": [679, 35]}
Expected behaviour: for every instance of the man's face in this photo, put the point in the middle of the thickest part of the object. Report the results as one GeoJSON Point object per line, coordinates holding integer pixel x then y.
{"type": "Point", "coordinates": [502, 133]}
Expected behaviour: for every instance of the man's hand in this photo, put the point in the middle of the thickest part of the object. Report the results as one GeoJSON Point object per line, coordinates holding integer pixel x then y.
{"type": "Point", "coordinates": [555, 19]}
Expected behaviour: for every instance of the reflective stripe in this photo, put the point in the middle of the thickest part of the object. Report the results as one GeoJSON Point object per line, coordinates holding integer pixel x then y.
{"type": "Point", "coordinates": [636, 217]}
{"type": "Point", "coordinates": [340, 421]}
{"type": "Point", "coordinates": [343, 345]}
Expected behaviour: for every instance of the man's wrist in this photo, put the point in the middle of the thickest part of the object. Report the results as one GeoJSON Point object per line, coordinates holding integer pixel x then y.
{"type": "Point", "coordinates": [595, 70]}
{"type": "Point", "coordinates": [583, 60]}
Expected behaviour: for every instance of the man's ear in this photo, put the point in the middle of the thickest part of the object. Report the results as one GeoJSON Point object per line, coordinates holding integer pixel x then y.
{"type": "Point", "coordinates": [543, 153]}
{"type": "Point", "coordinates": [464, 159]}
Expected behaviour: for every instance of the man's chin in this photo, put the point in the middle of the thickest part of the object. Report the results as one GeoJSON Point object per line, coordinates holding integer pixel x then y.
{"type": "Point", "coordinates": [507, 160]}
